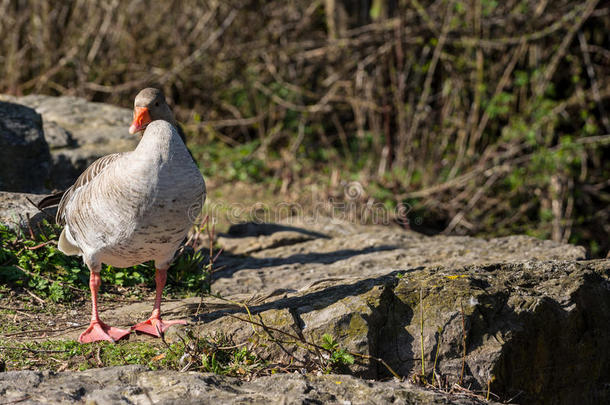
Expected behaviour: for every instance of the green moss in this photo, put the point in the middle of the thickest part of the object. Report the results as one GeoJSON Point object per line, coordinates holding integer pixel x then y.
{"type": "Point", "coordinates": [357, 326]}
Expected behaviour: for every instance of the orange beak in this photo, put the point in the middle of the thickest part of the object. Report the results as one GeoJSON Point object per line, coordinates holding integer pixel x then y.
{"type": "Point", "coordinates": [141, 118]}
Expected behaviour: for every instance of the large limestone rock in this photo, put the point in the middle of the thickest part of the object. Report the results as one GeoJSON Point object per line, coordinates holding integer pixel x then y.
{"type": "Point", "coordinates": [24, 154]}
{"type": "Point", "coordinates": [136, 385]}
{"type": "Point", "coordinates": [78, 132]}
{"type": "Point", "coordinates": [533, 315]}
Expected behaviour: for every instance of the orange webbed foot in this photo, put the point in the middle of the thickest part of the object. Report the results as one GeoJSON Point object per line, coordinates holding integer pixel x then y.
{"type": "Point", "coordinates": [99, 331]}
{"type": "Point", "coordinates": [155, 326]}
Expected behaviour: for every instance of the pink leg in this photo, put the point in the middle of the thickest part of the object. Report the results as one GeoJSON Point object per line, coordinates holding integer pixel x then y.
{"type": "Point", "coordinates": [154, 325]}
{"type": "Point", "coordinates": [97, 329]}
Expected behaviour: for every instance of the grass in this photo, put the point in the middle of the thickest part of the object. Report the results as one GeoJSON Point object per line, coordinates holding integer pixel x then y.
{"type": "Point", "coordinates": [215, 354]}
{"type": "Point", "coordinates": [42, 289]}
{"type": "Point", "coordinates": [35, 264]}
{"type": "Point", "coordinates": [60, 355]}
{"type": "Point", "coordinates": [467, 127]}
{"type": "Point", "coordinates": [40, 285]}
{"type": "Point", "coordinates": [338, 358]}
{"type": "Point", "coordinates": [238, 163]}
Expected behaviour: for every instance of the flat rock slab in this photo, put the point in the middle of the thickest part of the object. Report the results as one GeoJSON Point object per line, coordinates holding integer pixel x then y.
{"type": "Point", "coordinates": [137, 385]}
{"type": "Point", "coordinates": [520, 302]}
{"type": "Point", "coordinates": [302, 251]}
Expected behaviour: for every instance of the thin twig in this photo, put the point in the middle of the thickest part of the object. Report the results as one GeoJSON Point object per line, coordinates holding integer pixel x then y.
{"type": "Point", "coordinates": [18, 311]}
{"type": "Point", "coordinates": [421, 331]}
{"type": "Point", "coordinates": [25, 332]}
{"type": "Point", "coordinates": [40, 245]}
{"type": "Point", "coordinates": [438, 345]}
{"type": "Point", "coordinates": [40, 300]}
{"type": "Point", "coordinates": [567, 39]}
{"type": "Point", "coordinates": [463, 343]}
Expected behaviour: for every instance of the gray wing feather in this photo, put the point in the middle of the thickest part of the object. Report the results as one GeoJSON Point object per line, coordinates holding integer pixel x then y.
{"type": "Point", "coordinates": [89, 174]}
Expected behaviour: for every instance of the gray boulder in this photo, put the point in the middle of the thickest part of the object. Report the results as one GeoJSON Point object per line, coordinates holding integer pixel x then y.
{"type": "Point", "coordinates": [23, 151]}
{"type": "Point", "coordinates": [79, 132]}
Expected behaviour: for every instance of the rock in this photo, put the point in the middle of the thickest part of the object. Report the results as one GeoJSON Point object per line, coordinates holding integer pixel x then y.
{"type": "Point", "coordinates": [251, 237]}
{"type": "Point", "coordinates": [137, 385]}
{"type": "Point", "coordinates": [23, 151]}
{"type": "Point", "coordinates": [79, 132]}
{"type": "Point", "coordinates": [56, 136]}
{"type": "Point", "coordinates": [534, 315]}
{"type": "Point", "coordinates": [15, 209]}
{"type": "Point", "coordinates": [539, 328]}
{"type": "Point", "coordinates": [335, 249]}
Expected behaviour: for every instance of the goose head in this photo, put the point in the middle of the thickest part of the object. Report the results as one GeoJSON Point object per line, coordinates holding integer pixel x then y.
{"type": "Point", "coordinates": [149, 106]}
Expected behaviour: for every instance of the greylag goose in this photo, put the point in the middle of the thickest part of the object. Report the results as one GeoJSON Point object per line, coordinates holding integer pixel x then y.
{"type": "Point", "coordinates": [129, 208]}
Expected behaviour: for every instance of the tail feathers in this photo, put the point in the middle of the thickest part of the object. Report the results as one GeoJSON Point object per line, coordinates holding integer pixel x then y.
{"type": "Point", "coordinates": [50, 201]}
{"type": "Point", "coordinates": [67, 244]}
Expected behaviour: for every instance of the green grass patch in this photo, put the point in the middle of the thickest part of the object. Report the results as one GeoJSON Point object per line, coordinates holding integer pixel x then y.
{"type": "Point", "coordinates": [216, 354]}
{"type": "Point", "coordinates": [37, 265]}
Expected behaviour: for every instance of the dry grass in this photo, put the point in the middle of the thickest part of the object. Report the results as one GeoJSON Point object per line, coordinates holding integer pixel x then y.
{"type": "Point", "coordinates": [490, 117]}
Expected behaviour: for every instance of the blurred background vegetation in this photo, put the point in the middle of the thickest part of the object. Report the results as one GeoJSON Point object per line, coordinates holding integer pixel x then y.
{"type": "Point", "coordinates": [486, 117]}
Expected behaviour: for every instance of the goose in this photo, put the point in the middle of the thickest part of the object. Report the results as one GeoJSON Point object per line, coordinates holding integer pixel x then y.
{"type": "Point", "coordinates": [131, 207]}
